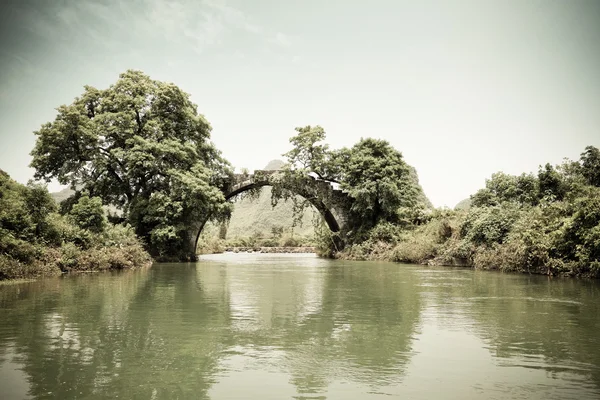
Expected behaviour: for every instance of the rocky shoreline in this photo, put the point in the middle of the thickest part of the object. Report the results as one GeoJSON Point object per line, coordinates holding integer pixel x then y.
{"type": "Point", "coordinates": [270, 250]}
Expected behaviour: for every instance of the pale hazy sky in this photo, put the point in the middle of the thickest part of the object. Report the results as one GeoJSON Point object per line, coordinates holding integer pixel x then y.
{"type": "Point", "coordinates": [462, 88]}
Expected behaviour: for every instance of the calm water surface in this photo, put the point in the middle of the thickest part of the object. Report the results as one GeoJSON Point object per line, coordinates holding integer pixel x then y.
{"type": "Point", "coordinates": [298, 327]}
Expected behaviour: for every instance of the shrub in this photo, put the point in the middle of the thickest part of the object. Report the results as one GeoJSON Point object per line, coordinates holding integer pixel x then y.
{"type": "Point", "coordinates": [417, 250]}
{"type": "Point", "coordinates": [488, 225]}
{"type": "Point", "coordinates": [289, 241]}
{"type": "Point", "coordinates": [270, 242]}
{"type": "Point", "coordinates": [11, 268]}
{"type": "Point", "coordinates": [69, 257]}
{"type": "Point", "coordinates": [211, 246]}
{"type": "Point", "coordinates": [385, 232]}
{"type": "Point", "coordinates": [88, 214]}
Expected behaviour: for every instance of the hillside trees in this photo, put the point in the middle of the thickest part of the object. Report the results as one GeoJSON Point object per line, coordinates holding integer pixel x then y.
{"type": "Point", "coordinates": [142, 146]}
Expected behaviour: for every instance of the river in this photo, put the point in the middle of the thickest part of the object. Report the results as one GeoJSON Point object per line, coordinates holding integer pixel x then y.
{"type": "Point", "coordinates": [249, 326]}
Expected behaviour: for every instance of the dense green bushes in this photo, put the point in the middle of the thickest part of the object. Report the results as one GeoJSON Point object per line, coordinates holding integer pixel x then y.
{"type": "Point", "coordinates": [545, 224]}
{"type": "Point", "coordinates": [36, 240]}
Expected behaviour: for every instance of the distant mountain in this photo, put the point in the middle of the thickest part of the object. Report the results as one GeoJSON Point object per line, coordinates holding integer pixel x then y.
{"type": "Point", "coordinates": [463, 204]}
{"type": "Point", "coordinates": [274, 165]}
{"type": "Point", "coordinates": [422, 197]}
{"type": "Point", "coordinates": [62, 195]}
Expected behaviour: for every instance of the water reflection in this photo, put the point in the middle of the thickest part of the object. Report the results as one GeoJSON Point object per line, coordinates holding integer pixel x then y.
{"type": "Point", "coordinates": [538, 332]}
{"type": "Point", "coordinates": [299, 327]}
{"type": "Point", "coordinates": [319, 322]}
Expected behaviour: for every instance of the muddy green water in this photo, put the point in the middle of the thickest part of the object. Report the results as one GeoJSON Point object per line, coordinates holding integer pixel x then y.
{"type": "Point", "coordinates": [294, 326]}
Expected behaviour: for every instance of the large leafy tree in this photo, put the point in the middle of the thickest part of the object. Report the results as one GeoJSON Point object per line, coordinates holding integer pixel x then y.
{"type": "Point", "coordinates": [380, 183]}
{"type": "Point", "coordinates": [378, 179]}
{"type": "Point", "coordinates": [142, 146]}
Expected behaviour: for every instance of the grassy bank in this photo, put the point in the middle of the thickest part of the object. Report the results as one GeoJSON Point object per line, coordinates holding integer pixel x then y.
{"type": "Point", "coordinates": [36, 240]}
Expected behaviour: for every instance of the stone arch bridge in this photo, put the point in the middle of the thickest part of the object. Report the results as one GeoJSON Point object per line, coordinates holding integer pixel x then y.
{"type": "Point", "coordinates": [333, 204]}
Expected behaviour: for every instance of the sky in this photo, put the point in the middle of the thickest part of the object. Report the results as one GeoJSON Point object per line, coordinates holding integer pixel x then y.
{"type": "Point", "coordinates": [462, 88]}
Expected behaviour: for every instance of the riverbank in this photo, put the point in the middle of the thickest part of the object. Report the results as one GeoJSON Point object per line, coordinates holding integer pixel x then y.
{"type": "Point", "coordinates": [69, 259]}
{"type": "Point", "coordinates": [552, 240]}
{"type": "Point", "coordinates": [493, 264]}
{"type": "Point", "coordinates": [37, 240]}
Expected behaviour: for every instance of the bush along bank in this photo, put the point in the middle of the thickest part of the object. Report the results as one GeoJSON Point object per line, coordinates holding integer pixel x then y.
{"type": "Point", "coordinates": [36, 240]}
{"type": "Point", "coordinates": [544, 223]}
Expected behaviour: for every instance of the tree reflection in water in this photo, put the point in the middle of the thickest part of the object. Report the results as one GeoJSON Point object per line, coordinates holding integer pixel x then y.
{"type": "Point", "coordinates": [281, 326]}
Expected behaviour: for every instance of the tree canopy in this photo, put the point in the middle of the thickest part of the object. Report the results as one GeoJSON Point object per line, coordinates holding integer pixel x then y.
{"type": "Point", "coordinates": [142, 146]}
{"type": "Point", "coordinates": [590, 165]}
{"type": "Point", "coordinates": [380, 183]}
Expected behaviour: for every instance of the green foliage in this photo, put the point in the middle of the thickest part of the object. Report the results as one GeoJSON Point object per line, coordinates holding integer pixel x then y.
{"type": "Point", "coordinates": [551, 183]}
{"type": "Point", "coordinates": [257, 240]}
{"type": "Point", "coordinates": [35, 240]}
{"type": "Point", "coordinates": [417, 249]}
{"type": "Point", "coordinates": [39, 203]}
{"type": "Point", "coordinates": [381, 186]}
{"type": "Point", "coordinates": [549, 224]}
{"type": "Point", "coordinates": [60, 228]}
{"type": "Point", "coordinates": [324, 240]}
{"type": "Point", "coordinates": [23, 209]}
{"type": "Point", "coordinates": [426, 241]}
{"type": "Point", "coordinates": [488, 225]}
{"type": "Point", "coordinates": [559, 235]}
{"type": "Point", "coordinates": [386, 232]}
{"type": "Point", "coordinates": [375, 175]}
{"type": "Point", "coordinates": [307, 156]}
{"type": "Point", "coordinates": [503, 188]}
{"type": "Point", "coordinates": [590, 165]}
{"type": "Point", "coordinates": [139, 145]}
{"type": "Point", "coordinates": [582, 232]}
{"type": "Point", "coordinates": [88, 214]}
{"type": "Point", "coordinates": [118, 235]}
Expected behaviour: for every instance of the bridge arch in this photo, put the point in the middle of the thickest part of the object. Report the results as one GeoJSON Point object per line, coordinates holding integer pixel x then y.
{"type": "Point", "coordinates": [325, 212]}
{"type": "Point", "coordinates": [332, 210]}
